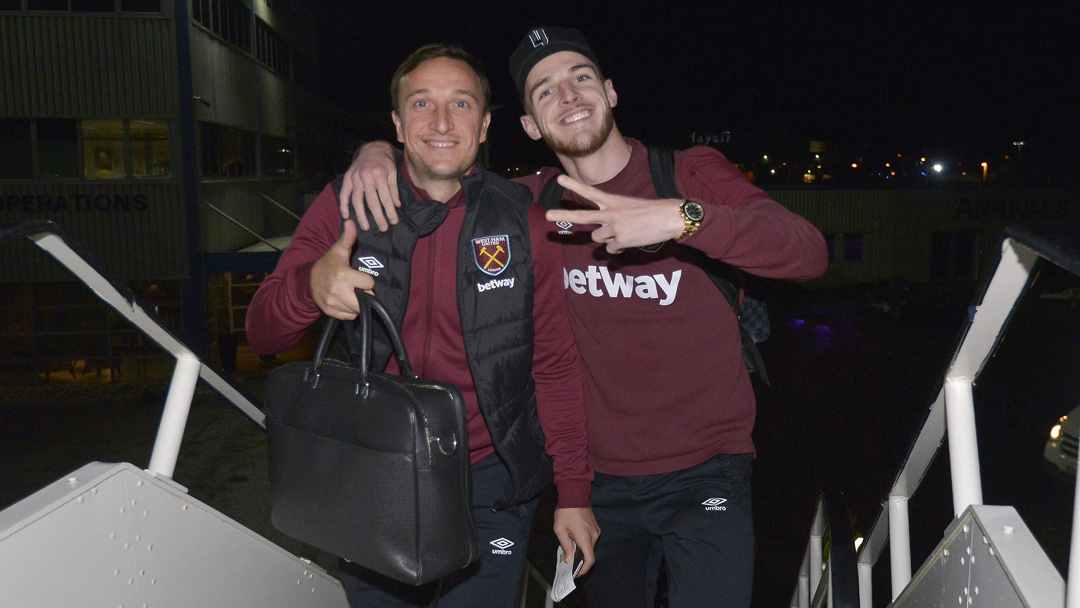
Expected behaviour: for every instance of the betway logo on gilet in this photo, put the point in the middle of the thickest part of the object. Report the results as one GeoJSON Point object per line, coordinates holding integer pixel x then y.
{"type": "Point", "coordinates": [599, 282]}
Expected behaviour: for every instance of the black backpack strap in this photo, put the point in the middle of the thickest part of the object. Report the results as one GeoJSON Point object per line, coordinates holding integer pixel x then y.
{"type": "Point", "coordinates": [551, 194]}
{"type": "Point", "coordinates": [751, 353]}
{"type": "Point", "coordinates": [662, 168]}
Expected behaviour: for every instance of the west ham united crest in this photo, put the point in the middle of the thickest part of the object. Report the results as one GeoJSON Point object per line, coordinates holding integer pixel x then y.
{"type": "Point", "coordinates": [492, 253]}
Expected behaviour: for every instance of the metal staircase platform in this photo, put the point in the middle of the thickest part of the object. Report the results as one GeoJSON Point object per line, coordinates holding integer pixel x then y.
{"type": "Point", "coordinates": [987, 558]}
{"type": "Point", "coordinates": [116, 535]}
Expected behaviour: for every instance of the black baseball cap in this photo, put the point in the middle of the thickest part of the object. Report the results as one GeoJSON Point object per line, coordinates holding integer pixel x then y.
{"type": "Point", "coordinates": [541, 42]}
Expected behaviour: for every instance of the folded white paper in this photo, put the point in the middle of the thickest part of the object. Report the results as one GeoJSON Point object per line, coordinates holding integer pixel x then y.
{"type": "Point", "coordinates": [565, 573]}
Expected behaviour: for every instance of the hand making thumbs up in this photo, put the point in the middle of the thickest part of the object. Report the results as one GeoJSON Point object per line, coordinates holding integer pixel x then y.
{"type": "Point", "coordinates": [333, 280]}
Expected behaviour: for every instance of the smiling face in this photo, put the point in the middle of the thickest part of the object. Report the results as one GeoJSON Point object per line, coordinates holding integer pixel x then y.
{"type": "Point", "coordinates": [441, 119]}
{"type": "Point", "coordinates": [568, 105]}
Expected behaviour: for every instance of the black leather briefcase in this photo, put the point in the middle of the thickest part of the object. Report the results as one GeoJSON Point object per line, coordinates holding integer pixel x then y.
{"type": "Point", "coordinates": [369, 466]}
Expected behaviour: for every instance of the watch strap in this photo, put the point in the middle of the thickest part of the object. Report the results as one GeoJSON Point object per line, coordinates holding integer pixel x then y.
{"type": "Point", "coordinates": [691, 225]}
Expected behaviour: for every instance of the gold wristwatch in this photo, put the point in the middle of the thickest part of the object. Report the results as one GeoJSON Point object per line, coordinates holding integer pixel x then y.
{"type": "Point", "coordinates": [692, 214]}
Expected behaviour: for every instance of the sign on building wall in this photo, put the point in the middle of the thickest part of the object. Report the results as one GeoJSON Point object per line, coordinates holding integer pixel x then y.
{"type": "Point", "coordinates": [136, 231]}
{"type": "Point", "coordinates": [921, 234]}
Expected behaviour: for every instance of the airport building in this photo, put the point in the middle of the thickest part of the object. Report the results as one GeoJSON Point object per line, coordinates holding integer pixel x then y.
{"type": "Point", "coordinates": [163, 137]}
{"type": "Point", "coordinates": [175, 141]}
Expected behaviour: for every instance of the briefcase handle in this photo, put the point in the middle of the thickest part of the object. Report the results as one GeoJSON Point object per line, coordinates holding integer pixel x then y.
{"type": "Point", "coordinates": [361, 351]}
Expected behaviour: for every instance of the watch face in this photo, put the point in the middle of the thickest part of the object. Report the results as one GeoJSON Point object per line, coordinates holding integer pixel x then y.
{"type": "Point", "coordinates": [693, 211]}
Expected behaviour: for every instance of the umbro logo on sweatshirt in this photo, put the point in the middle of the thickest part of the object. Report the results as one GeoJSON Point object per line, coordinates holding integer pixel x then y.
{"type": "Point", "coordinates": [600, 282]}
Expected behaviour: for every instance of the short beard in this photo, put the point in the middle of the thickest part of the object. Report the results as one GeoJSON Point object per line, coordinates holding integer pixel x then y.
{"type": "Point", "coordinates": [424, 172]}
{"type": "Point", "coordinates": [576, 148]}
{"type": "Point", "coordinates": [426, 177]}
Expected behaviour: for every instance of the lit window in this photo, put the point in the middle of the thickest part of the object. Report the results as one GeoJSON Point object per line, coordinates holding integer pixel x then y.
{"type": "Point", "coordinates": [150, 148]}
{"type": "Point", "coordinates": [103, 148]}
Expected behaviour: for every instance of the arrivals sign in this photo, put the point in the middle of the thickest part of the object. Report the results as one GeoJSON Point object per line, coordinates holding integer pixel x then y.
{"type": "Point", "coordinates": [1013, 211]}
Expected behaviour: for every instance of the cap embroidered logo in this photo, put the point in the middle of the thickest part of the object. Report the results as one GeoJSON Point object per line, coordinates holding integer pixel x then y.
{"type": "Point", "coordinates": [538, 37]}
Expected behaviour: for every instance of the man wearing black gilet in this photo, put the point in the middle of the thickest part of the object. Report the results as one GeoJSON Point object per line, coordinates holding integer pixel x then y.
{"type": "Point", "coordinates": [668, 398]}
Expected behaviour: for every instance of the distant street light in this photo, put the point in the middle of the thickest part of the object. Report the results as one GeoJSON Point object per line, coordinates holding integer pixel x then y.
{"type": "Point", "coordinates": [1019, 144]}
{"type": "Point", "coordinates": [984, 172]}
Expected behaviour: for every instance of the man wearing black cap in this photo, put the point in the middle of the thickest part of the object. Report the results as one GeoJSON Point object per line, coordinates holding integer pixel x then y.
{"type": "Point", "coordinates": [670, 407]}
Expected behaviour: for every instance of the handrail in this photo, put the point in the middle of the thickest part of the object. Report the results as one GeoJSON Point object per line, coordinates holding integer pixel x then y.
{"type": "Point", "coordinates": [282, 207]}
{"type": "Point", "coordinates": [189, 366]}
{"type": "Point", "coordinates": [239, 224]}
{"type": "Point", "coordinates": [844, 578]}
{"type": "Point", "coordinates": [828, 574]}
{"type": "Point", "coordinates": [953, 408]}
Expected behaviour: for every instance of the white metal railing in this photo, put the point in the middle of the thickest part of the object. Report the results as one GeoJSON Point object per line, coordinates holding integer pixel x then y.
{"type": "Point", "coordinates": [953, 409]}
{"type": "Point", "coordinates": [189, 367]}
{"type": "Point", "coordinates": [173, 550]}
{"type": "Point", "coordinates": [823, 579]}
{"type": "Point", "coordinates": [810, 571]}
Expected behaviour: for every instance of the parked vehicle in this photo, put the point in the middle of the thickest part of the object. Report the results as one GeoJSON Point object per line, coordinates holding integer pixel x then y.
{"type": "Point", "coordinates": [1061, 446]}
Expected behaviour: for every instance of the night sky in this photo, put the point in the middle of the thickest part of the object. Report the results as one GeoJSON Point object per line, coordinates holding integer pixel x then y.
{"type": "Point", "coordinates": [942, 79]}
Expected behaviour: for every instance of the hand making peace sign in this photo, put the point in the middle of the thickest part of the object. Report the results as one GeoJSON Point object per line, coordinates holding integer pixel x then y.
{"type": "Point", "coordinates": [625, 221]}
